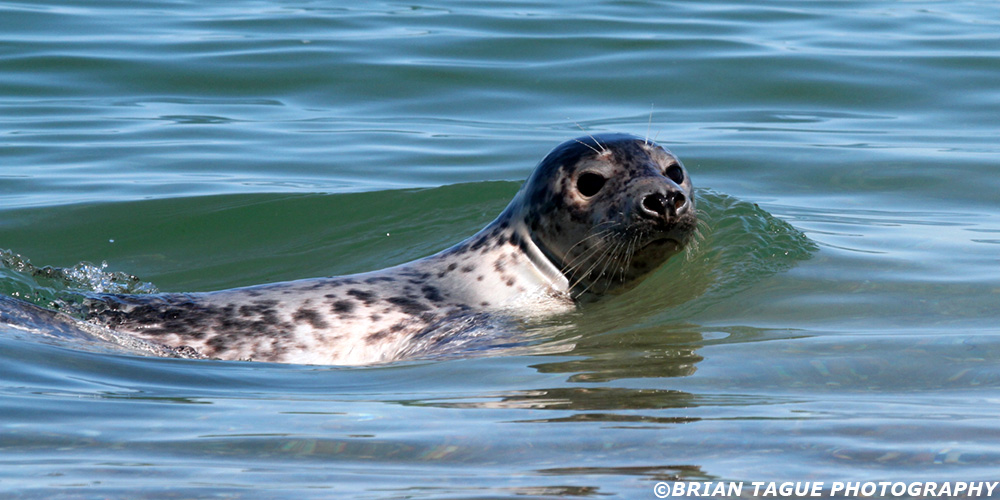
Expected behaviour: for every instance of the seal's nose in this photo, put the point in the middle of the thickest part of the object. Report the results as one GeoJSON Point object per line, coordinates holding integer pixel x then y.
{"type": "Point", "coordinates": [657, 204]}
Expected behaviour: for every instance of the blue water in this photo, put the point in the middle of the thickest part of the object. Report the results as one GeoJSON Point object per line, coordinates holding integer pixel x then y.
{"type": "Point", "coordinates": [838, 320]}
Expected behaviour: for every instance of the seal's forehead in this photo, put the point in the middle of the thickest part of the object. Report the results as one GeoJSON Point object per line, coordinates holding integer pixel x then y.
{"type": "Point", "coordinates": [624, 149]}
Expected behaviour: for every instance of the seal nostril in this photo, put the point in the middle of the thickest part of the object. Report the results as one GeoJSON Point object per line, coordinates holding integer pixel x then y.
{"type": "Point", "coordinates": [655, 203]}
{"type": "Point", "coordinates": [679, 201]}
{"type": "Point", "coordinates": [663, 205]}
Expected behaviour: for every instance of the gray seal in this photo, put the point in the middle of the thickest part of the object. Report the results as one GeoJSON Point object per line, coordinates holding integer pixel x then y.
{"type": "Point", "coordinates": [597, 215]}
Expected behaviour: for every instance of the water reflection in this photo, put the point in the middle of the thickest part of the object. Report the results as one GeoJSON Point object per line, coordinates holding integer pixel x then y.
{"type": "Point", "coordinates": [652, 473]}
{"type": "Point", "coordinates": [651, 352]}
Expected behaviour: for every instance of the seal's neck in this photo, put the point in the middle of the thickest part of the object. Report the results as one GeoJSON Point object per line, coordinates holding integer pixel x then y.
{"type": "Point", "coordinates": [543, 265]}
{"type": "Point", "coordinates": [499, 267]}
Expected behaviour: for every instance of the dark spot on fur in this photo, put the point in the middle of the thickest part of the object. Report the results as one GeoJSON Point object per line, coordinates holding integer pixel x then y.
{"type": "Point", "coordinates": [343, 307]}
{"type": "Point", "coordinates": [312, 317]}
{"type": "Point", "coordinates": [398, 327]}
{"type": "Point", "coordinates": [376, 337]}
{"type": "Point", "coordinates": [408, 305]}
{"type": "Point", "coordinates": [479, 278]}
{"type": "Point", "coordinates": [278, 349]}
{"type": "Point", "coordinates": [480, 241]}
{"type": "Point", "coordinates": [468, 268]}
{"type": "Point", "coordinates": [376, 317]}
{"type": "Point", "coordinates": [224, 328]}
{"type": "Point", "coordinates": [367, 297]}
{"type": "Point", "coordinates": [484, 304]}
{"type": "Point", "coordinates": [432, 293]}
{"type": "Point", "coordinates": [451, 267]}
{"type": "Point", "coordinates": [515, 239]}
{"type": "Point", "coordinates": [376, 279]}
{"type": "Point", "coordinates": [510, 281]}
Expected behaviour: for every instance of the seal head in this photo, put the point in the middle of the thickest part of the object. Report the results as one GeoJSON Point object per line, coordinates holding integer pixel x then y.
{"type": "Point", "coordinates": [607, 209]}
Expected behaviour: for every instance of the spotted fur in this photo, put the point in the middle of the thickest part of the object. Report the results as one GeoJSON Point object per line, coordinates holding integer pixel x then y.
{"type": "Point", "coordinates": [552, 246]}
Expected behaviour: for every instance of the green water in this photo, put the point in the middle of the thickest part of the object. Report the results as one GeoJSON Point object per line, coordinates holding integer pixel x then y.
{"type": "Point", "coordinates": [837, 321]}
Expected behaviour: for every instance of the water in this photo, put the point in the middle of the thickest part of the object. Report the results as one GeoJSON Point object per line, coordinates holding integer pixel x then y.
{"type": "Point", "coordinates": [838, 322]}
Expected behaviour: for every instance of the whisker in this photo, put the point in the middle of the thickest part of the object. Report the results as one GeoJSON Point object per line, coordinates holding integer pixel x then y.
{"type": "Point", "coordinates": [617, 258]}
{"type": "Point", "coordinates": [631, 253]}
{"type": "Point", "coordinates": [588, 145]}
{"type": "Point", "coordinates": [697, 236]}
{"type": "Point", "coordinates": [591, 235]}
{"type": "Point", "coordinates": [580, 277]}
{"type": "Point", "coordinates": [603, 149]}
{"type": "Point", "coordinates": [645, 140]}
{"type": "Point", "coordinates": [612, 255]}
{"type": "Point", "coordinates": [583, 258]}
{"type": "Point", "coordinates": [599, 235]}
{"type": "Point", "coordinates": [591, 269]}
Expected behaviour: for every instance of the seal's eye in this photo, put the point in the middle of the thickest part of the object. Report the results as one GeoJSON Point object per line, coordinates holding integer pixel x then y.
{"type": "Point", "coordinates": [675, 173]}
{"type": "Point", "coordinates": [589, 184]}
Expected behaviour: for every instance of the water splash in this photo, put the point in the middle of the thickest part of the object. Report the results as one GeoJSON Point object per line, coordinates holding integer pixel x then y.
{"type": "Point", "coordinates": [57, 287]}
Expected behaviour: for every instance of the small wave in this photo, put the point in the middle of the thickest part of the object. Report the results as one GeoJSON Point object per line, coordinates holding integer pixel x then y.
{"type": "Point", "coordinates": [57, 287]}
{"type": "Point", "coordinates": [738, 245]}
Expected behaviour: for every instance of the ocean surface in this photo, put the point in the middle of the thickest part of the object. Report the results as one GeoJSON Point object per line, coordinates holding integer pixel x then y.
{"type": "Point", "coordinates": [838, 320]}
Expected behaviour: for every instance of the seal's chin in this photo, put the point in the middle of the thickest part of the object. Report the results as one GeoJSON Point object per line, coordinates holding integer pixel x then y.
{"type": "Point", "coordinates": [661, 245]}
{"type": "Point", "coordinates": [647, 257]}
{"type": "Point", "coordinates": [654, 253]}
